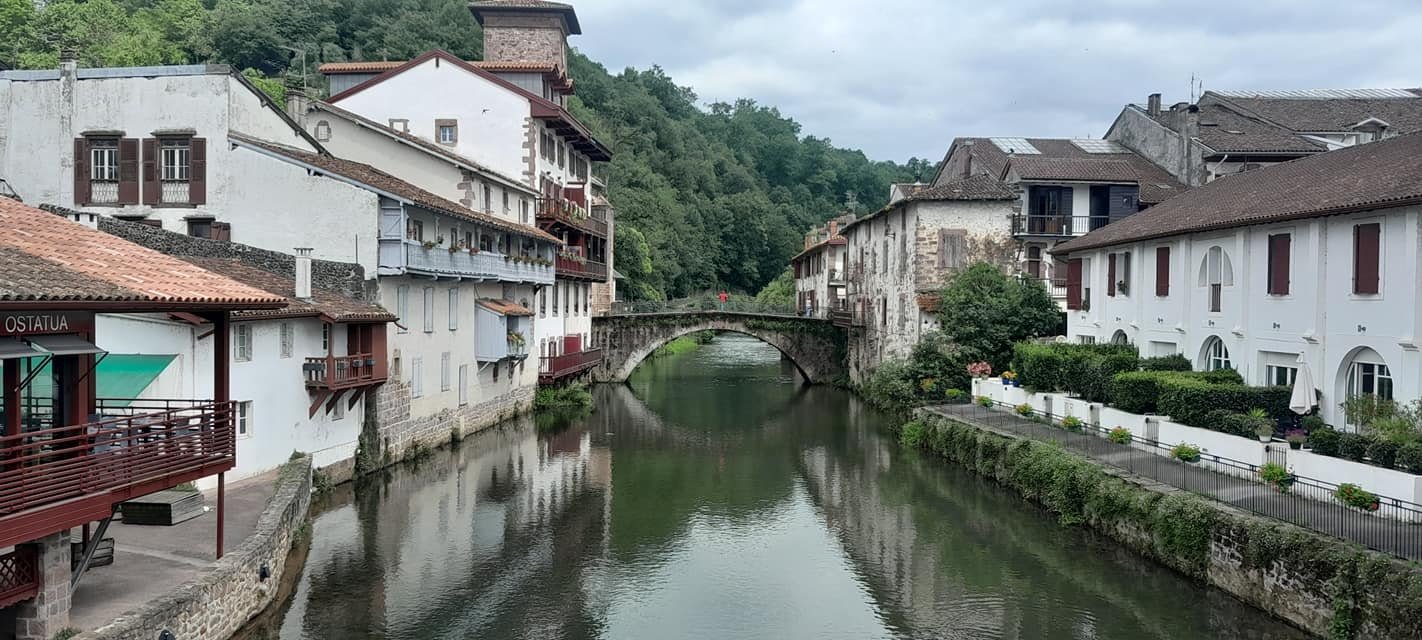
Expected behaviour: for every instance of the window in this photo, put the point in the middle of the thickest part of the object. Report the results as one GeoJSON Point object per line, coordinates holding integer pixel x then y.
{"type": "Point", "coordinates": [400, 124]}
{"type": "Point", "coordinates": [567, 298]}
{"type": "Point", "coordinates": [175, 166]}
{"type": "Point", "coordinates": [1075, 299]}
{"type": "Point", "coordinates": [200, 227]}
{"type": "Point", "coordinates": [561, 149]}
{"type": "Point", "coordinates": [1216, 274]}
{"type": "Point", "coordinates": [1216, 355]}
{"type": "Point", "coordinates": [417, 377]}
{"type": "Point", "coordinates": [414, 230]}
{"type": "Point", "coordinates": [1086, 339]}
{"type": "Point", "coordinates": [444, 371]}
{"type": "Point", "coordinates": [447, 131]}
{"type": "Point", "coordinates": [340, 411]}
{"type": "Point", "coordinates": [463, 384]}
{"type": "Point", "coordinates": [488, 199]}
{"type": "Point", "coordinates": [244, 419]}
{"type": "Point", "coordinates": [1279, 375]}
{"type": "Point", "coordinates": [543, 303]}
{"type": "Point", "coordinates": [1162, 271]}
{"type": "Point", "coordinates": [556, 286]}
{"type": "Point", "coordinates": [288, 339]}
{"type": "Point", "coordinates": [486, 242]}
{"type": "Point", "coordinates": [323, 131]}
{"type": "Point", "coordinates": [1034, 261]}
{"type": "Point", "coordinates": [1048, 211]}
{"type": "Point", "coordinates": [1120, 338]}
{"type": "Point", "coordinates": [1370, 377]}
{"type": "Point", "coordinates": [325, 338]}
{"type": "Point", "coordinates": [429, 309]}
{"type": "Point", "coordinates": [402, 306]}
{"type": "Point", "coordinates": [453, 308]}
{"type": "Point", "coordinates": [506, 202]}
{"type": "Point", "coordinates": [1366, 258]}
{"type": "Point", "coordinates": [1278, 268]}
{"type": "Point", "coordinates": [523, 210]}
{"type": "Point", "coordinates": [952, 251]}
{"type": "Point", "coordinates": [103, 170]}
{"type": "Point", "coordinates": [242, 341]}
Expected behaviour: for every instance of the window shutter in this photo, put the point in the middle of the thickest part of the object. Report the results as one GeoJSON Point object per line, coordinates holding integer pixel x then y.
{"type": "Point", "coordinates": [81, 172]}
{"type": "Point", "coordinates": [1365, 258]}
{"type": "Point", "coordinates": [951, 248]}
{"type": "Point", "coordinates": [128, 171]}
{"type": "Point", "coordinates": [1162, 271]}
{"type": "Point", "coordinates": [1279, 264]}
{"type": "Point", "coordinates": [1111, 275]}
{"type": "Point", "coordinates": [152, 190]}
{"type": "Point", "coordinates": [1073, 283]}
{"type": "Point", "coordinates": [197, 173]}
{"type": "Point", "coordinates": [222, 231]}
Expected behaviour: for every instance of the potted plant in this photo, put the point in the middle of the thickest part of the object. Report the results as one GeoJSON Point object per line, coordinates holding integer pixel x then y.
{"type": "Point", "coordinates": [1121, 288]}
{"type": "Point", "coordinates": [429, 244]}
{"type": "Point", "coordinates": [1071, 423]}
{"type": "Point", "coordinates": [1185, 453]}
{"type": "Point", "coordinates": [1010, 379]}
{"type": "Point", "coordinates": [1275, 475]}
{"type": "Point", "coordinates": [1263, 424]}
{"type": "Point", "coordinates": [1296, 438]}
{"type": "Point", "coordinates": [979, 369]}
{"type": "Point", "coordinates": [1356, 497]}
{"type": "Point", "coordinates": [516, 339]}
{"type": "Point", "coordinates": [1025, 410]}
{"type": "Point", "coordinates": [454, 248]}
{"type": "Point", "coordinates": [985, 402]}
{"type": "Point", "coordinates": [1119, 435]}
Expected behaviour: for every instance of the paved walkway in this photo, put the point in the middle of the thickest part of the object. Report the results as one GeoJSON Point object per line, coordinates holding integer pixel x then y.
{"type": "Point", "coordinates": [1306, 506]}
{"type": "Point", "coordinates": [150, 561]}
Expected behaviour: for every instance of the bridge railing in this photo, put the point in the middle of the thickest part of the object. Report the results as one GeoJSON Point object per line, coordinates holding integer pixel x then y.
{"type": "Point", "coordinates": [738, 304]}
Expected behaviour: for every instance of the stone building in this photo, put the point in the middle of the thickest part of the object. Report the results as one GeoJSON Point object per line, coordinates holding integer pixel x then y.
{"type": "Point", "coordinates": [901, 256]}
{"type": "Point", "coordinates": [820, 271]}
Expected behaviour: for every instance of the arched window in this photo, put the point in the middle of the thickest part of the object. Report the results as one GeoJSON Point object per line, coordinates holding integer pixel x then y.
{"type": "Point", "coordinates": [1120, 337]}
{"type": "Point", "coordinates": [1216, 274]}
{"type": "Point", "coordinates": [1034, 261]}
{"type": "Point", "coordinates": [1216, 356]}
{"type": "Point", "coordinates": [1368, 375]}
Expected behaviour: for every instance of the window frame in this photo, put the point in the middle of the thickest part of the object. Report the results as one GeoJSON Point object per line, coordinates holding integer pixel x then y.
{"type": "Point", "coordinates": [243, 422]}
{"type": "Point", "coordinates": [417, 382]}
{"type": "Point", "coordinates": [444, 379]}
{"type": "Point", "coordinates": [1272, 371]}
{"type": "Point", "coordinates": [454, 308]}
{"type": "Point", "coordinates": [402, 307]}
{"type": "Point", "coordinates": [288, 340]}
{"type": "Point", "coordinates": [1217, 355]}
{"type": "Point", "coordinates": [428, 308]}
{"type": "Point", "coordinates": [242, 342]}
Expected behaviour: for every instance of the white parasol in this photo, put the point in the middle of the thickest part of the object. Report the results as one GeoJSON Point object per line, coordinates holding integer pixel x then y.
{"type": "Point", "coordinates": [1304, 397]}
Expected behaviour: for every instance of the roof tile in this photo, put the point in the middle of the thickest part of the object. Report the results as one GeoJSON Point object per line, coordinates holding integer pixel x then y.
{"type": "Point", "coordinates": [324, 302]}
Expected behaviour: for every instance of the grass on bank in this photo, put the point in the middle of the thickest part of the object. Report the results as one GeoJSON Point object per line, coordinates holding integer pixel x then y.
{"type": "Point", "coordinates": [685, 344]}
{"type": "Point", "coordinates": [571, 396]}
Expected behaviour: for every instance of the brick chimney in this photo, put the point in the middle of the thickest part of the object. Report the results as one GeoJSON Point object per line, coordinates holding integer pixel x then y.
{"type": "Point", "coordinates": [526, 30]}
{"type": "Point", "coordinates": [833, 228]}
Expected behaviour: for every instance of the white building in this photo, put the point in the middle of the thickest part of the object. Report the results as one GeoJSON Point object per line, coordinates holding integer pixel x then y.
{"type": "Point", "coordinates": [1309, 263]}
{"type": "Point", "coordinates": [507, 115]}
{"type": "Point", "coordinates": [901, 256]}
{"type": "Point", "coordinates": [820, 271]}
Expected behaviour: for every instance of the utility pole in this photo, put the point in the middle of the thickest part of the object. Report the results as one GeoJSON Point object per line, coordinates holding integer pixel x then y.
{"type": "Point", "coordinates": [302, 53]}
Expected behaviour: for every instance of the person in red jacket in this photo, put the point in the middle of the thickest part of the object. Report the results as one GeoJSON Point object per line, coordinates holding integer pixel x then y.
{"type": "Point", "coordinates": [723, 297]}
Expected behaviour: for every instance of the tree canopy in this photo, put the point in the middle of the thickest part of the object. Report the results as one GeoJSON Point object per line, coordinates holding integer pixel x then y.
{"type": "Point", "coordinates": [707, 198]}
{"type": "Point", "coordinates": [987, 312]}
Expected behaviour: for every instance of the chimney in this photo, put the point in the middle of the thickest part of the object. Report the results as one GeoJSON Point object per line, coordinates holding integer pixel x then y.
{"type": "Point", "coordinates": [833, 228]}
{"type": "Point", "coordinates": [1153, 105]}
{"type": "Point", "coordinates": [303, 273]}
{"type": "Point", "coordinates": [297, 104]}
{"type": "Point", "coordinates": [85, 218]}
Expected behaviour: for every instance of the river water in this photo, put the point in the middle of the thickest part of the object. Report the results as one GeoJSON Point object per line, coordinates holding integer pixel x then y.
{"type": "Point", "coordinates": [713, 497]}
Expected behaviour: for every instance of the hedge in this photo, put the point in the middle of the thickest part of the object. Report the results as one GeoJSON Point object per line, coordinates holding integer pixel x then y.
{"type": "Point", "coordinates": [1139, 391]}
{"type": "Point", "coordinates": [1190, 400]}
{"type": "Point", "coordinates": [1175, 362]}
{"type": "Point", "coordinates": [1085, 370]}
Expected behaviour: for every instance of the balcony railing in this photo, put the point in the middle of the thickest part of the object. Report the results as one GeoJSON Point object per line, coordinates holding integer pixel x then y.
{"type": "Point", "coordinates": [569, 266]}
{"type": "Point", "coordinates": [553, 368]}
{"type": "Point", "coordinates": [19, 575]}
{"type": "Point", "coordinates": [488, 265]}
{"type": "Point", "coordinates": [1055, 225]}
{"type": "Point", "coordinates": [572, 214]}
{"type": "Point", "coordinates": [62, 477]}
{"type": "Point", "coordinates": [341, 372]}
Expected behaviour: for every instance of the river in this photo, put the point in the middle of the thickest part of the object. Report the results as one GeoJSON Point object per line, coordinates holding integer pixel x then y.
{"type": "Point", "coordinates": [713, 497]}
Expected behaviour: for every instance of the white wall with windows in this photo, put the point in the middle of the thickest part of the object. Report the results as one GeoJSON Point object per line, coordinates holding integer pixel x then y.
{"type": "Point", "coordinates": [560, 311]}
{"type": "Point", "coordinates": [1339, 291]}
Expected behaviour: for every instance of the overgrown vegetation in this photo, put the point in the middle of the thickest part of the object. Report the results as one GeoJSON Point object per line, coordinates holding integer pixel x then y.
{"type": "Point", "coordinates": [935, 373]}
{"type": "Point", "coordinates": [574, 395]}
{"type": "Point", "coordinates": [986, 312]}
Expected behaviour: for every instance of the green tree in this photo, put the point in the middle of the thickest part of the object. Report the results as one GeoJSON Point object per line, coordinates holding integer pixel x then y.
{"type": "Point", "coordinates": [986, 312]}
{"type": "Point", "coordinates": [780, 291]}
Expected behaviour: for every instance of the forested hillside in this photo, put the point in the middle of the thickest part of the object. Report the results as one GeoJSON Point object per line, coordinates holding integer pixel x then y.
{"type": "Point", "coordinates": [708, 196]}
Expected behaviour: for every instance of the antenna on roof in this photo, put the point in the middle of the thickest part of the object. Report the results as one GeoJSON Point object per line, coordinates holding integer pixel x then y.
{"type": "Point", "coordinates": [1197, 88]}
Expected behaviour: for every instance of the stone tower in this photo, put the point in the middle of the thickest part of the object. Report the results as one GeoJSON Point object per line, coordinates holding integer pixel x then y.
{"type": "Point", "coordinates": [526, 31]}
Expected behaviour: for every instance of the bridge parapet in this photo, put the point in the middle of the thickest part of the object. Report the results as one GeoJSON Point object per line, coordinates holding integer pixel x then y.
{"type": "Point", "coordinates": [815, 345]}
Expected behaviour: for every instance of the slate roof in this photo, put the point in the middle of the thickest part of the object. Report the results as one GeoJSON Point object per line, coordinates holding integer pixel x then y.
{"type": "Point", "coordinates": [1317, 115]}
{"type": "Point", "coordinates": [48, 258]}
{"type": "Point", "coordinates": [1377, 175]}
{"type": "Point", "coordinates": [375, 178]}
{"type": "Point", "coordinates": [1271, 122]}
{"type": "Point", "coordinates": [1226, 129]}
{"type": "Point", "coordinates": [478, 8]}
{"type": "Point", "coordinates": [1156, 185]}
{"type": "Point", "coordinates": [337, 306]}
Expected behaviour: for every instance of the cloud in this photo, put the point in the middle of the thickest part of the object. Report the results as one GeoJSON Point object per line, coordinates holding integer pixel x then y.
{"type": "Point", "coordinates": [899, 78]}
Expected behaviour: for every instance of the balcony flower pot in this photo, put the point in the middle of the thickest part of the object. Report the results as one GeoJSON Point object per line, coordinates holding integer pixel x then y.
{"type": "Point", "coordinates": [429, 244]}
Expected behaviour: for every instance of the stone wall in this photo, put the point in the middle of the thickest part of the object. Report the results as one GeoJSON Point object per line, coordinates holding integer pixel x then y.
{"type": "Point", "coordinates": [525, 38]}
{"type": "Point", "coordinates": [1321, 584]}
{"type": "Point", "coordinates": [814, 345]}
{"type": "Point", "coordinates": [398, 434]}
{"type": "Point", "coordinates": [48, 612]}
{"type": "Point", "coordinates": [231, 591]}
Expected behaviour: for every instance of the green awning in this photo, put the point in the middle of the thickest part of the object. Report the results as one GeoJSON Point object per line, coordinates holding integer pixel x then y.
{"type": "Point", "coordinates": [127, 375]}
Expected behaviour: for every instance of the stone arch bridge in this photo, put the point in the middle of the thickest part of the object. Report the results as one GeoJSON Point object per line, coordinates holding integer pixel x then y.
{"type": "Point", "coordinates": [816, 346]}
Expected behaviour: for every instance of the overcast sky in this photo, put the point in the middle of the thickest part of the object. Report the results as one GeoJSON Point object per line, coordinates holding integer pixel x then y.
{"type": "Point", "coordinates": [901, 78]}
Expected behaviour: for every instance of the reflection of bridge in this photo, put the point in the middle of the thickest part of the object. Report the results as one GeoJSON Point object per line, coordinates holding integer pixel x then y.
{"type": "Point", "coordinates": [815, 346]}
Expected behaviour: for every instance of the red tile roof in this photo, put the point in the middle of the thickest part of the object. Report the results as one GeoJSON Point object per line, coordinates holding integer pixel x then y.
{"type": "Point", "coordinates": [336, 306]}
{"type": "Point", "coordinates": [47, 258]}
{"type": "Point", "coordinates": [505, 307]}
{"type": "Point", "coordinates": [1371, 176]}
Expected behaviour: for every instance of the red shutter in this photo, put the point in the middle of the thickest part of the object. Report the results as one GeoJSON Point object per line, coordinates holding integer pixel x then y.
{"type": "Point", "coordinates": [1365, 258]}
{"type": "Point", "coordinates": [128, 171]}
{"type": "Point", "coordinates": [197, 173]}
{"type": "Point", "coordinates": [81, 172]}
{"type": "Point", "coordinates": [1279, 264]}
{"type": "Point", "coordinates": [1162, 271]}
{"type": "Point", "coordinates": [152, 189]}
{"type": "Point", "coordinates": [1073, 283]}
{"type": "Point", "coordinates": [1111, 275]}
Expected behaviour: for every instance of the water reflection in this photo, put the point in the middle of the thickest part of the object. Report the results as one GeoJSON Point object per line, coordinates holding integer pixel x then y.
{"type": "Point", "coordinates": [715, 497]}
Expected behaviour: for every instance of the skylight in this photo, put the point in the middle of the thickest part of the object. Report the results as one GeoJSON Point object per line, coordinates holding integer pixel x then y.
{"type": "Point", "coordinates": [1092, 145]}
{"type": "Point", "coordinates": [1018, 146]}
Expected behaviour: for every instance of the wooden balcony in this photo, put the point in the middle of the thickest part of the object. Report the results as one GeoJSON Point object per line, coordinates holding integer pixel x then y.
{"type": "Point", "coordinates": [572, 214]}
{"type": "Point", "coordinates": [62, 477]}
{"type": "Point", "coordinates": [335, 373]}
{"type": "Point", "coordinates": [19, 575]}
{"type": "Point", "coordinates": [554, 368]}
{"type": "Point", "coordinates": [571, 267]}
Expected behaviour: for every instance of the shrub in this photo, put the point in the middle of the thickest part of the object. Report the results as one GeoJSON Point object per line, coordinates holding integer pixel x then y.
{"type": "Point", "coordinates": [1082, 369]}
{"type": "Point", "coordinates": [955, 396]}
{"type": "Point", "coordinates": [1185, 452]}
{"type": "Point", "coordinates": [1409, 456]}
{"type": "Point", "coordinates": [1071, 423]}
{"type": "Point", "coordinates": [1025, 410]}
{"type": "Point", "coordinates": [1383, 453]}
{"type": "Point", "coordinates": [1139, 391]}
{"type": "Point", "coordinates": [1175, 362]}
{"type": "Point", "coordinates": [573, 395]}
{"type": "Point", "coordinates": [891, 387]}
{"type": "Point", "coordinates": [1312, 423]}
{"type": "Point", "coordinates": [1356, 497]}
{"type": "Point", "coordinates": [1324, 441]}
{"type": "Point", "coordinates": [914, 434]}
{"type": "Point", "coordinates": [1190, 400]}
{"type": "Point", "coordinates": [1276, 475]}
{"type": "Point", "coordinates": [1353, 446]}
{"type": "Point", "coordinates": [1231, 422]}
{"type": "Point", "coordinates": [986, 402]}
{"type": "Point", "coordinates": [1119, 435]}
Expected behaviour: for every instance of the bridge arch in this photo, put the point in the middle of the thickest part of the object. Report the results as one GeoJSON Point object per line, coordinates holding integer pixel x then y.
{"type": "Point", "coordinates": [815, 346]}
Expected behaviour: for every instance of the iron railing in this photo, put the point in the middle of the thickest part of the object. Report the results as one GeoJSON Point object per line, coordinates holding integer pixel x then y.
{"type": "Point", "coordinates": [709, 302]}
{"type": "Point", "coordinates": [1030, 224]}
{"type": "Point", "coordinates": [1395, 527]}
